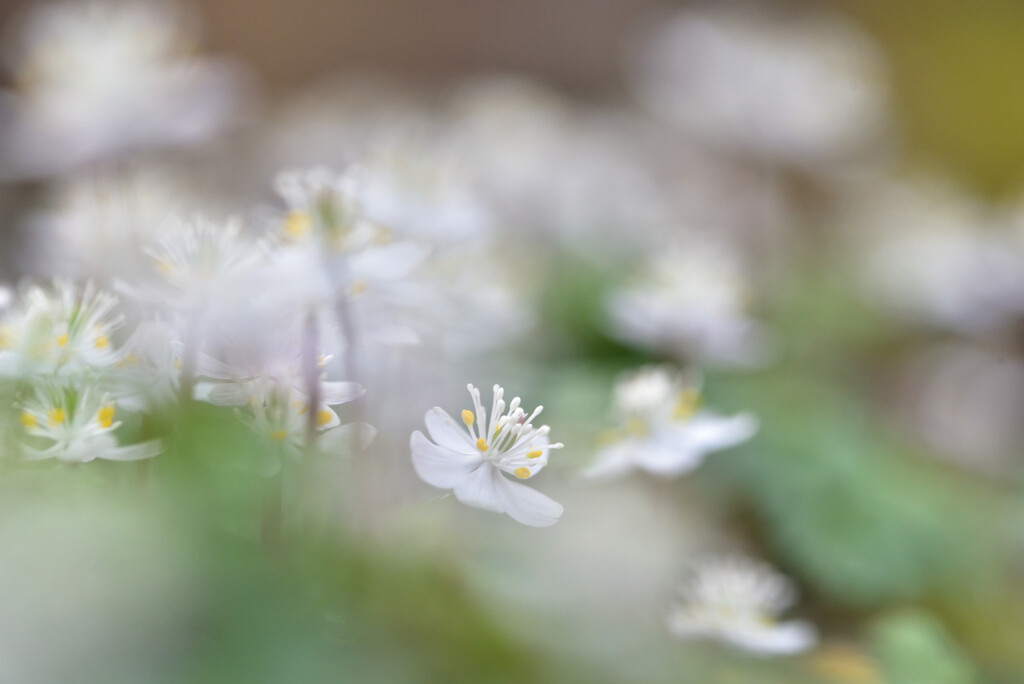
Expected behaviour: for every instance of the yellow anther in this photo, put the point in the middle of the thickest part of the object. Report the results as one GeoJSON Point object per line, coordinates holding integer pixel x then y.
{"type": "Point", "coordinates": [468, 417]}
{"type": "Point", "coordinates": [534, 454]}
{"type": "Point", "coordinates": [278, 435]}
{"type": "Point", "coordinates": [27, 419]}
{"type": "Point", "coordinates": [301, 407]}
{"type": "Point", "coordinates": [56, 416]}
{"type": "Point", "coordinates": [130, 359]}
{"type": "Point", "coordinates": [105, 416]}
{"type": "Point", "coordinates": [62, 339]}
{"type": "Point", "coordinates": [324, 416]}
{"type": "Point", "coordinates": [102, 342]}
{"type": "Point", "coordinates": [636, 427]}
{"type": "Point", "coordinates": [481, 444]}
{"type": "Point", "coordinates": [297, 223]}
{"type": "Point", "coordinates": [162, 266]}
{"type": "Point", "coordinates": [358, 287]}
{"type": "Point", "coordinates": [687, 404]}
{"type": "Point", "coordinates": [522, 473]}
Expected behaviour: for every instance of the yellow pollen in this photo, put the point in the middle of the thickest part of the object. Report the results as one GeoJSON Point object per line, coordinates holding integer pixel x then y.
{"type": "Point", "coordinates": [522, 473]}
{"type": "Point", "coordinates": [358, 287]}
{"type": "Point", "coordinates": [468, 417]}
{"type": "Point", "coordinates": [102, 341]}
{"type": "Point", "coordinates": [56, 416]}
{"type": "Point", "coordinates": [687, 404]}
{"type": "Point", "coordinates": [481, 444]}
{"type": "Point", "coordinates": [301, 407]}
{"type": "Point", "coordinates": [534, 454]}
{"type": "Point", "coordinates": [324, 417]}
{"type": "Point", "coordinates": [296, 224]}
{"type": "Point", "coordinates": [278, 435]}
{"type": "Point", "coordinates": [62, 339]}
{"type": "Point", "coordinates": [27, 419]}
{"type": "Point", "coordinates": [105, 416]}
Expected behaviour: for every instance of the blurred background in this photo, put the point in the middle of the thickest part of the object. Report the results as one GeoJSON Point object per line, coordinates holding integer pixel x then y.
{"type": "Point", "coordinates": [817, 207]}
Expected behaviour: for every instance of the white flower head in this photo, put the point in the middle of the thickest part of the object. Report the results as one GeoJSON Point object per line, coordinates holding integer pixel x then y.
{"type": "Point", "coordinates": [97, 78]}
{"type": "Point", "coordinates": [738, 601]}
{"type": "Point", "coordinates": [66, 329]}
{"type": "Point", "coordinates": [662, 428]}
{"type": "Point", "coordinates": [691, 303]}
{"type": "Point", "coordinates": [76, 424]}
{"type": "Point", "coordinates": [473, 456]}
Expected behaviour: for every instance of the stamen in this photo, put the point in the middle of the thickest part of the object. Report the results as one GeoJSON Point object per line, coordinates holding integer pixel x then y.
{"type": "Point", "coordinates": [481, 444]}
{"type": "Point", "coordinates": [105, 416]}
{"type": "Point", "coordinates": [468, 417]}
{"type": "Point", "coordinates": [278, 435]}
{"type": "Point", "coordinates": [522, 473]}
{"type": "Point", "coordinates": [102, 342]}
{"type": "Point", "coordinates": [297, 223]}
{"type": "Point", "coordinates": [534, 454]}
{"type": "Point", "coordinates": [27, 419]}
{"type": "Point", "coordinates": [62, 340]}
{"type": "Point", "coordinates": [56, 416]}
{"type": "Point", "coordinates": [324, 416]}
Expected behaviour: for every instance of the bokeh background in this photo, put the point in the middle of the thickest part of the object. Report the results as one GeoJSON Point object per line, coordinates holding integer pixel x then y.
{"type": "Point", "coordinates": [885, 479]}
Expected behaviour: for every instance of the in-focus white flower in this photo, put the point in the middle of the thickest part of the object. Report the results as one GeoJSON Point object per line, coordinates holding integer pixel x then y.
{"type": "Point", "coordinates": [738, 601]}
{"type": "Point", "coordinates": [692, 305]}
{"type": "Point", "coordinates": [76, 424]}
{"type": "Point", "coordinates": [801, 89]}
{"type": "Point", "coordinates": [64, 330]}
{"type": "Point", "coordinates": [473, 456]}
{"type": "Point", "coordinates": [98, 78]}
{"type": "Point", "coordinates": [662, 427]}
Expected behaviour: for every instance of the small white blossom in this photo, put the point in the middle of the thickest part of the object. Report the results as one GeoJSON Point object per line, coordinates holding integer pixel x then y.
{"type": "Point", "coordinates": [98, 78]}
{"type": "Point", "coordinates": [473, 457]}
{"type": "Point", "coordinates": [76, 424]}
{"type": "Point", "coordinates": [738, 602]}
{"type": "Point", "coordinates": [66, 329]}
{"type": "Point", "coordinates": [662, 428]}
{"type": "Point", "coordinates": [691, 304]}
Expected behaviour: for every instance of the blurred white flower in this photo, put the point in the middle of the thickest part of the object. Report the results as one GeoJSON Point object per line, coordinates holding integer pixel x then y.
{"type": "Point", "coordinates": [63, 330]}
{"type": "Point", "coordinates": [75, 424]}
{"type": "Point", "coordinates": [662, 427]}
{"type": "Point", "coordinates": [470, 459]}
{"type": "Point", "coordinates": [97, 78]}
{"type": "Point", "coordinates": [692, 305]}
{"type": "Point", "coordinates": [938, 256]}
{"type": "Point", "coordinates": [797, 89]}
{"type": "Point", "coordinates": [738, 601]}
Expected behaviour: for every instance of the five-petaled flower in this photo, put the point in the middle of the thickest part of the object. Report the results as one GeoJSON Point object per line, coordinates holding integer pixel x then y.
{"type": "Point", "coordinates": [474, 457]}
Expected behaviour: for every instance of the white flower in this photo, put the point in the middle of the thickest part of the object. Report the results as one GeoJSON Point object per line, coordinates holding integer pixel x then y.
{"type": "Point", "coordinates": [64, 330]}
{"type": "Point", "coordinates": [738, 601]}
{"type": "Point", "coordinates": [662, 429]}
{"type": "Point", "coordinates": [803, 90]}
{"type": "Point", "coordinates": [693, 305]}
{"type": "Point", "coordinates": [472, 458]}
{"type": "Point", "coordinates": [76, 424]}
{"type": "Point", "coordinates": [99, 78]}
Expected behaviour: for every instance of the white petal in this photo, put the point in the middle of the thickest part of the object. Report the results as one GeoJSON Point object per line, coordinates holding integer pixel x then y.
{"type": "Point", "coordinates": [440, 467]}
{"type": "Point", "coordinates": [707, 432]}
{"type": "Point", "coordinates": [340, 392]}
{"type": "Point", "coordinates": [611, 462]}
{"type": "Point", "coordinates": [134, 452]}
{"type": "Point", "coordinates": [226, 393]}
{"type": "Point", "coordinates": [525, 504]}
{"type": "Point", "coordinates": [666, 458]}
{"type": "Point", "coordinates": [447, 433]}
{"type": "Point", "coordinates": [479, 488]}
{"type": "Point", "coordinates": [785, 638]}
{"type": "Point", "coordinates": [351, 437]}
